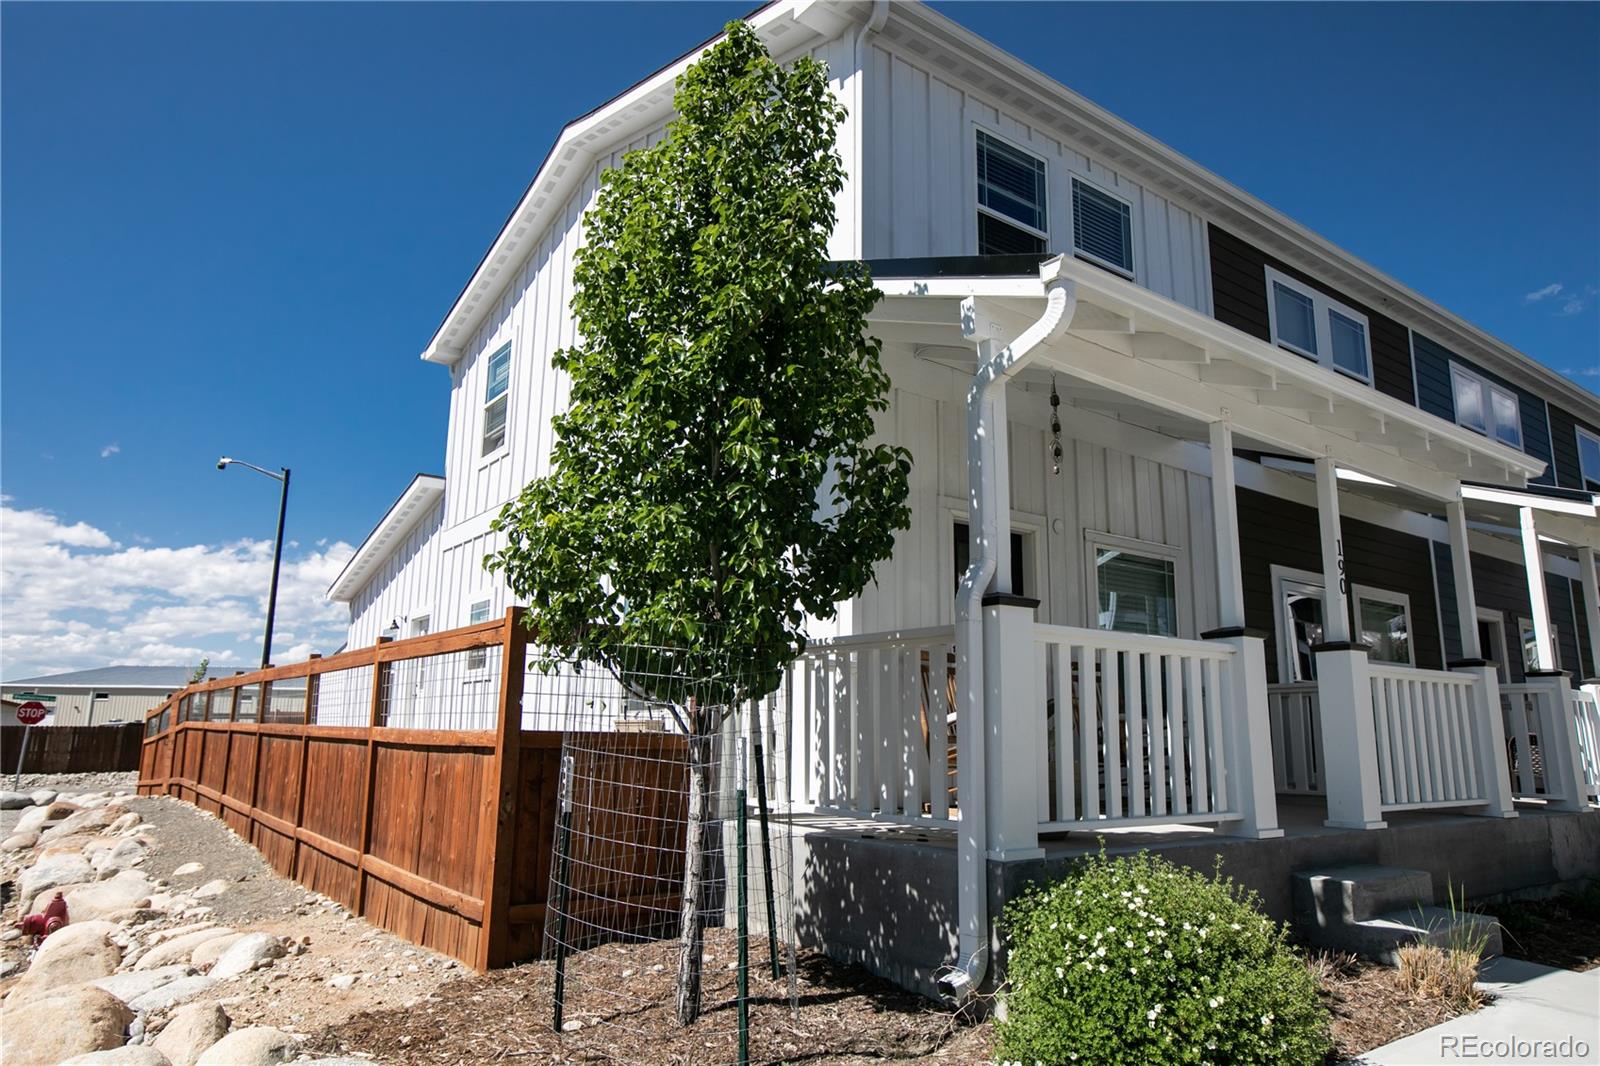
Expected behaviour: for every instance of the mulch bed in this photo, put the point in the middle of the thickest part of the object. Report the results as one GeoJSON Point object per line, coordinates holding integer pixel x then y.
{"type": "Point", "coordinates": [844, 1015]}
{"type": "Point", "coordinates": [1369, 1007]}
{"type": "Point", "coordinates": [1562, 932]}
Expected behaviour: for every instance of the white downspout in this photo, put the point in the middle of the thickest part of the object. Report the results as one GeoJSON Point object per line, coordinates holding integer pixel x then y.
{"type": "Point", "coordinates": [858, 137]}
{"type": "Point", "coordinates": [994, 370]}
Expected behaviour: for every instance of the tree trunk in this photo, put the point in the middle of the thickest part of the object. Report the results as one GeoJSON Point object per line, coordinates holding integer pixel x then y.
{"type": "Point", "coordinates": [692, 930]}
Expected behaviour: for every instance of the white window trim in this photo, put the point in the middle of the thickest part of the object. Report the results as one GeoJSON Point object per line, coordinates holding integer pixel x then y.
{"type": "Point", "coordinates": [1133, 225]}
{"type": "Point", "coordinates": [1032, 528]}
{"type": "Point", "coordinates": [1377, 595]}
{"type": "Point", "coordinates": [1489, 389]}
{"type": "Point", "coordinates": [478, 658]}
{"type": "Point", "coordinates": [974, 128]}
{"type": "Point", "coordinates": [1584, 476]}
{"type": "Point", "coordinates": [1497, 619]}
{"type": "Point", "coordinates": [1280, 617]}
{"type": "Point", "coordinates": [1094, 539]}
{"type": "Point", "coordinates": [1321, 304]}
{"type": "Point", "coordinates": [485, 458]}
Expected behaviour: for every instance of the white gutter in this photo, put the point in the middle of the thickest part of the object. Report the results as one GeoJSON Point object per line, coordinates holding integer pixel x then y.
{"type": "Point", "coordinates": [972, 851]}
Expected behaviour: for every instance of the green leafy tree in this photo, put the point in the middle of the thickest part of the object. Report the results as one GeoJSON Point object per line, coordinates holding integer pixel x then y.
{"type": "Point", "coordinates": [712, 479]}
{"type": "Point", "coordinates": [199, 674]}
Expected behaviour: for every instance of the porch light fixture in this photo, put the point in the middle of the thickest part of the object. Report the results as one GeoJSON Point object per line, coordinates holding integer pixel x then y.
{"type": "Point", "coordinates": [282, 477]}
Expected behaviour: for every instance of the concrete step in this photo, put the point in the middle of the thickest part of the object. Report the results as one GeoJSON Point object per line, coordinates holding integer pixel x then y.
{"type": "Point", "coordinates": [1338, 895]}
{"type": "Point", "coordinates": [1383, 936]}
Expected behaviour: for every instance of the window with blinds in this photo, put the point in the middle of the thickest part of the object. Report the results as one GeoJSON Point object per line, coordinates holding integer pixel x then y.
{"type": "Point", "coordinates": [1012, 217]}
{"type": "Point", "coordinates": [1102, 227]}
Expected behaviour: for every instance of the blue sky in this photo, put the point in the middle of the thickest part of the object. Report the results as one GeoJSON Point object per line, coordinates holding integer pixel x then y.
{"type": "Point", "coordinates": [231, 228]}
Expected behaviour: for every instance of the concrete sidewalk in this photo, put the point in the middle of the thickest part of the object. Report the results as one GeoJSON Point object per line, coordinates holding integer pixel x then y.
{"type": "Point", "coordinates": [1540, 1015]}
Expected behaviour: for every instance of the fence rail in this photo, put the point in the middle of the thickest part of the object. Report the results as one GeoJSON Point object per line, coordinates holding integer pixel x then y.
{"type": "Point", "coordinates": [396, 779]}
{"type": "Point", "coordinates": [1428, 753]}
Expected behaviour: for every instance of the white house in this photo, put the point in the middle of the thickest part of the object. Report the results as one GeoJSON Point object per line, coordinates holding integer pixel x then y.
{"type": "Point", "coordinates": [1181, 465]}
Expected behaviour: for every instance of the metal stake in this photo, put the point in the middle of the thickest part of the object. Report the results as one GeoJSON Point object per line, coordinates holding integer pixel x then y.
{"type": "Point", "coordinates": [766, 841]}
{"type": "Point", "coordinates": [563, 856]}
{"type": "Point", "coordinates": [16, 782]}
{"type": "Point", "coordinates": [744, 915]}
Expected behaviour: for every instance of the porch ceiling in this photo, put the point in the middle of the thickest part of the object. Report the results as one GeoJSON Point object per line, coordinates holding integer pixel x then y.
{"type": "Point", "coordinates": [1154, 362]}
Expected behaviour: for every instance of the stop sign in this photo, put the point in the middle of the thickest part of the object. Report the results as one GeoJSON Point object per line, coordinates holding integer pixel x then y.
{"type": "Point", "coordinates": [31, 713]}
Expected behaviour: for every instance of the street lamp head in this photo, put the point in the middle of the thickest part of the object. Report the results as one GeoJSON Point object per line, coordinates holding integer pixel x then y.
{"type": "Point", "coordinates": [222, 464]}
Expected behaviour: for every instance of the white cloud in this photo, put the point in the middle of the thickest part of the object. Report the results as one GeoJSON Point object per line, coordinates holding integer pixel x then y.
{"type": "Point", "coordinates": [109, 450]}
{"type": "Point", "coordinates": [1552, 289]}
{"type": "Point", "coordinates": [75, 598]}
{"type": "Point", "coordinates": [1567, 301]}
{"type": "Point", "coordinates": [1583, 372]}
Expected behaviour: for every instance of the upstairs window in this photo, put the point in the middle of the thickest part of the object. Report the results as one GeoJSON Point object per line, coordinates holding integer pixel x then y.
{"type": "Point", "coordinates": [495, 400]}
{"type": "Point", "coordinates": [1102, 227]}
{"type": "Point", "coordinates": [477, 658]}
{"type": "Point", "coordinates": [1485, 407]}
{"type": "Point", "coordinates": [1589, 459]}
{"type": "Point", "coordinates": [1314, 325]}
{"type": "Point", "coordinates": [1011, 199]}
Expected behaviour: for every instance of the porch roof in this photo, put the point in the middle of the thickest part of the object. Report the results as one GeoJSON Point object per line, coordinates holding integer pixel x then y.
{"type": "Point", "coordinates": [1154, 362]}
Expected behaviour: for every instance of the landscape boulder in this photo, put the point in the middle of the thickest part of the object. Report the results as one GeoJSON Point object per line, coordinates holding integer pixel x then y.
{"type": "Point", "coordinates": [52, 871]}
{"type": "Point", "coordinates": [43, 1032]}
{"type": "Point", "coordinates": [172, 993]}
{"type": "Point", "coordinates": [179, 948]}
{"type": "Point", "coordinates": [246, 954]}
{"type": "Point", "coordinates": [15, 801]}
{"type": "Point", "coordinates": [135, 983]}
{"type": "Point", "coordinates": [93, 819]}
{"type": "Point", "coordinates": [38, 818]}
{"type": "Point", "coordinates": [193, 1029]}
{"type": "Point", "coordinates": [73, 955]}
{"type": "Point", "coordinates": [20, 841]}
{"type": "Point", "coordinates": [43, 797]}
{"type": "Point", "coordinates": [127, 1055]}
{"type": "Point", "coordinates": [127, 890]}
{"type": "Point", "coordinates": [206, 954]}
{"type": "Point", "coordinates": [257, 1045]}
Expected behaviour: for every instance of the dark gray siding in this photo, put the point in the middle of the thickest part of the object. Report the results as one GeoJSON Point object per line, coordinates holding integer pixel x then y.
{"type": "Point", "coordinates": [1564, 435]}
{"type": "Point", "coordinates": [1277, 532]}
{"type": "Point", "coordinates": [1239, 295]}
{"type": "Point", "coordinates": [1501, 587]}
{"type": "Point", "coordinates": [1444, 571]}
{"type": "Point", "coordinates": [1434, 395]}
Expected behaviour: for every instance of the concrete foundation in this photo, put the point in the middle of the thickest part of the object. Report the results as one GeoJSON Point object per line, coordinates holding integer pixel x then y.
{"type": "Point", "coordinates": [885, 896]}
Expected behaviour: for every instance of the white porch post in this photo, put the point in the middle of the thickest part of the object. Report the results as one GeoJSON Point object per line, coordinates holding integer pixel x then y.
{"type": "Point", "coordinates": [1488, 726]}
{"type": "Point", "coordinates": [1249, 730]}
{"type": "Point", "coordinates": [1538, 599]}
{"type": "Point", "coordinates": [1591, 606]}
{"type": "Point", "coordinates": [1344, 687]}
{"type": "Point", "coordinates": [1016, 709]}
{"type": "Point", "coordinates": [1461, 564]}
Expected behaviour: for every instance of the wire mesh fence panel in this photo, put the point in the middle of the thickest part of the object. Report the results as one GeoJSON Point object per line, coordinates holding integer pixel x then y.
{"type": "Point", "coordinates": [285, 701]}
{"type": "Point", "coordinates": [670, 897]}
{"type": "Point", "coordinates": [450, 690]}
{"type": "Point", "coordinates": [220, 706]}
{"type": "Point", "coordinates": [344, 697]}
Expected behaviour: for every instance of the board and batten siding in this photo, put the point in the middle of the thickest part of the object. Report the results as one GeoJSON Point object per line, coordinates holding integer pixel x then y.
{"type": "Point", "coordinates": [920, 180]}
{"type": "Point", "coordinates": [1101, 488]}
{"type": "Point", "coordinates": [1239, 293]}
{"type": "Point", "coordinates": [1436, 395]}
{"type": "Point", "coordinates": [404, 587]}
{"type": "Point", "coordinates": [1274, 531]}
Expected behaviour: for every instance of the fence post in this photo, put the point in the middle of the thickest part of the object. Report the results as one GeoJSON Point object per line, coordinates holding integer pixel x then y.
{"type": "Point", "coordinates": [378, 667]}
{"type": "Point", "coordinates": [305, 750]}
{"type": "Point", "coordinates": [500, 801]}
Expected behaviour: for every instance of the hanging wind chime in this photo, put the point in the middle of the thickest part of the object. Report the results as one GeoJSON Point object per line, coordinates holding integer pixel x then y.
{"type": "Point", "coordinates": [1055, 425]}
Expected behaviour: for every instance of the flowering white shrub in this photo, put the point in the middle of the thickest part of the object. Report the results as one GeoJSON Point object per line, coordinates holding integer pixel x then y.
{"type": "Point", "coordinates": [1134, 960]}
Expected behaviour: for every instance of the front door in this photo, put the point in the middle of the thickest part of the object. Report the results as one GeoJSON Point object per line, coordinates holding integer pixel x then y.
{"type": "Point", "coordinates": [1301, 628]}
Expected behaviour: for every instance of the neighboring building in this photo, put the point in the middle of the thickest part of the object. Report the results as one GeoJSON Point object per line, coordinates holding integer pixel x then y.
{"type": "Point", "coordinates": [1259, 433]}
{"type": "Point", "coordinates": [107, 693]}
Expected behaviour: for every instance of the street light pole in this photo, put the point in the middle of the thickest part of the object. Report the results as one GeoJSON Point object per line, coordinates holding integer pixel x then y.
{"type": "Point", "coordinates": [282, 477]}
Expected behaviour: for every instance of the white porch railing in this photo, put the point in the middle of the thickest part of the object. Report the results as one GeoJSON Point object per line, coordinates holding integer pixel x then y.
{"type": "Point", "coordinates": [1428, 752]}
{"type": "Point", "coordinates": [1135, 729]}
{"type": "Point", "coordinates": [1296, 722]}
{"type": "Point", "coordinates": [1586, 712]}
{"type": "Point", "coordinates": [869, 725]}
{"type": "Point", "coordinates": [1529, 712]}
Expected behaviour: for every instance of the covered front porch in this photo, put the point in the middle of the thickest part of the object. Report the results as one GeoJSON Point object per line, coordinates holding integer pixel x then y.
{"type": "Point", "coordinates": [1014, 730]}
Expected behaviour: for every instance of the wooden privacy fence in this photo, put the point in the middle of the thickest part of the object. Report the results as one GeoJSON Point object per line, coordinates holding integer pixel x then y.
{"type": "Point", "coordinates": [396, 779]}
{"type": "Point", "coordinates": [72, 749]}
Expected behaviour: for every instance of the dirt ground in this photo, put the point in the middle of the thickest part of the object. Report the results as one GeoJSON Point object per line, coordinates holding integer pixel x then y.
{"type": "Point", "coordinates": [1563, 931]}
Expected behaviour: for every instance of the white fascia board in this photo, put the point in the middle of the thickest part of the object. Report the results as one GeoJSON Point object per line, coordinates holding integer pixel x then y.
{"type": "Point", "coordinates": [1125, 147]}
{"type": "Point", "coordinates": [402, 516]}
{"type": "Point", "coordinates": [577, 146]}
{"type": "Point", "coordinates": [1538, 502]}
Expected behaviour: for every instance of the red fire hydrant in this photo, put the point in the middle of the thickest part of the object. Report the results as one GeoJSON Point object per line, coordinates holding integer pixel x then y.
{"type": "Point", "coordinates": [39, 926]}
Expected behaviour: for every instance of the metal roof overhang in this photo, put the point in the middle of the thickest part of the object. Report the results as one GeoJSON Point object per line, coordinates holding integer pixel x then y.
{"type": "Point", "coordinates": [1149, 360]}
{"type": "Point", "coordinates": [403, 515]}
